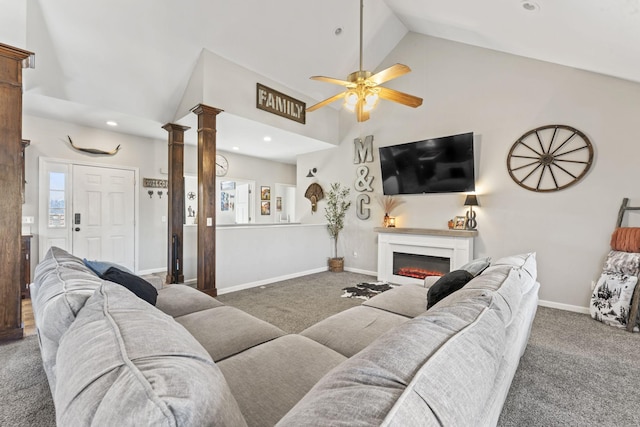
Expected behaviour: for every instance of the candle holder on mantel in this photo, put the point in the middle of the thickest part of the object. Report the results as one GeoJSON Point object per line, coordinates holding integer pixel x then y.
{"type": "Point", "coordinates": [392, 221]}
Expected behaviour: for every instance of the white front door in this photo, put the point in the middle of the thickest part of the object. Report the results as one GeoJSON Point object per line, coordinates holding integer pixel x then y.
{"type": "Point", "coordinates": [88, 211]}
{"type": "Point", "coordinates": [103, 214]}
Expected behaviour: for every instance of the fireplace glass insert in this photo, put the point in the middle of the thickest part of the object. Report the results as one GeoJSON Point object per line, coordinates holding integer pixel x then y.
{"type": "Point", "coordinates": [419, 266]}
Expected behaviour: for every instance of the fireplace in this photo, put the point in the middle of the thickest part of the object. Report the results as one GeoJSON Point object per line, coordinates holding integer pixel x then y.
{"type": "Point", "coordinates": [419, 266]}
{"type": "Point", "coordinates": [407, 255]}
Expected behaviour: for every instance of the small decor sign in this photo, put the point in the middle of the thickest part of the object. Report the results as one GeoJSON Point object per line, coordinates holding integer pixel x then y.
{"type": "Point", "coordinates": [278, 103]}
{"type": "Point", "coordinates": [155, 183]}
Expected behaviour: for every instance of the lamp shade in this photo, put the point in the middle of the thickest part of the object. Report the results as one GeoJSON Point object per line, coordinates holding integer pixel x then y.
{"type": "Point", "coordinates": [471, 200]}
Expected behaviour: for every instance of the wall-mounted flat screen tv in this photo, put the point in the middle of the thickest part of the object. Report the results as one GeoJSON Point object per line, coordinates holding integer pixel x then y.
{"type": "Point", "coordinates": [438, 165]}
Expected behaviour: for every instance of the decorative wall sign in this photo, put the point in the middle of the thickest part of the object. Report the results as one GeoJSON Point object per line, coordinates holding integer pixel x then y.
{"type": "Point", "coordinates": [363, 153]}
{"type": "Point", "coordinates": [278, 103]}
{"type": "Point", "coordinates": [550, 158]}
{"type": "Point", "coordinates": [363, 212]}
{"type": "Point", "coordinates": [155, 183]}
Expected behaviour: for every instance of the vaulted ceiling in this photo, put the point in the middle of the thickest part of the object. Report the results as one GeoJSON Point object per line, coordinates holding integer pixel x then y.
{"type": "Point", "coordinates": [130, 61]}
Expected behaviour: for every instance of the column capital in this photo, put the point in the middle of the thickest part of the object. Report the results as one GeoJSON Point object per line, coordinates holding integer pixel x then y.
{"type": "Point", "coordinates": [205, 109]}
{"type": "Point", "coordinates": [172, 127]}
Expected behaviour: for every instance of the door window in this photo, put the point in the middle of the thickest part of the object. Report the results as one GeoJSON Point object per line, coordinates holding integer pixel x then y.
{"type": "Point", "coordinates": [57, 207]}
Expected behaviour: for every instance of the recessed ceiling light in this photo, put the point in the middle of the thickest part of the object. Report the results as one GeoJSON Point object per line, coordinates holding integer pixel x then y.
{"type": "Point", "coordinates": [267, 138]}
{"type": "Point", "coordinates": [337, 31]}
{"type": "Point", "coordinates": [530, 6]}
{"type": "Point", "coordinates": [112, 123]}
{"type": "Point", "coordinates": [236, 148]}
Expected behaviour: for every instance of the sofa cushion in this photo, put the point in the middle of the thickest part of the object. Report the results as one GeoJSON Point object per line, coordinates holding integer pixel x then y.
{"type": "Point", "coordinates": [526, 263]}
{"type": "Point", "coordinates": [505, 284]}
{"type": "Point", "coordinates": [178, 300]}
{"type": "Point", "coordinates": [377, 387]}
{"type": "Point", "coordinates": [405, 300]}
{"type": "Point", "coordinates": [64, 284]}
{"type": "Point", "coordinates": [126, 363]}
{"type": "Point", "coordinates": [269, 379]}
{"type": "Point", "coordinates": [140, 287]}
{"type": "Point", "coordinates": [477, 265]}
{"type": "Point", "coordinates": [351, 330]}
{"type": "Point", "coordinates": [225, 331]}
{"type": "Point", "coordinates": [448, 284]}
{"type": "Point", "coordinates": [456, 396]}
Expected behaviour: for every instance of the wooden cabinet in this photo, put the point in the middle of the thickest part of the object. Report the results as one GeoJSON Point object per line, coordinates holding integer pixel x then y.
{"type": "Point", "coordinates": [11, 62]}
{"type": "Point", "coordinates": [25, 266]}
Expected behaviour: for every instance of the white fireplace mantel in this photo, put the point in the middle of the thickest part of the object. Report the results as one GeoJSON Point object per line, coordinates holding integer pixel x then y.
{"type": "Point", "coordinates": [457, 245]}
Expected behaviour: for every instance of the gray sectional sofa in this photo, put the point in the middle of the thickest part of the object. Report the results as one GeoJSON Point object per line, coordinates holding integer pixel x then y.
{"type": "Point", "coordinates": [114, 359]}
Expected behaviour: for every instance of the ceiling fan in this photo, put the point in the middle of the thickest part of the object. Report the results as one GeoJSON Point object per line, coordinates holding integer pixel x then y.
{"type": "Point", "coordinates": [363, 87]}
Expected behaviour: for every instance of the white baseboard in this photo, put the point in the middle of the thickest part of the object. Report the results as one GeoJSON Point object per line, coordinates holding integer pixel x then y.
{"type": "Point", "coordinates": [270, 280]}
{"type": "Point", "coordinates": [566, 307]}
{"type": "Point", "coordinates": [357, 270]}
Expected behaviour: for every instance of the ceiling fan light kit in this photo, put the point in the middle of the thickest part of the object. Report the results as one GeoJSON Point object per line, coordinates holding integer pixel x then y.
{"type": "Point", "coordinates": [363, 90]}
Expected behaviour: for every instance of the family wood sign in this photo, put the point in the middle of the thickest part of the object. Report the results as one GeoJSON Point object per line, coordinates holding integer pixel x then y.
{"type": "Point", "coordinates": [275, 102]}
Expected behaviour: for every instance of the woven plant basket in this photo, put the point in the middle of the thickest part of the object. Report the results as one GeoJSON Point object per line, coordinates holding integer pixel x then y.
{"type": "Point", "coordinates": [336, 264]}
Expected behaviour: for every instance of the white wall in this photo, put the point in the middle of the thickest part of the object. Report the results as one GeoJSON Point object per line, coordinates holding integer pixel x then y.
{"type": "Point", "coordinates": [498, 97]}
{"type": "Point", "coordinates": [263, 172]}
{"type": "Point", "coordinates": [49, 139]}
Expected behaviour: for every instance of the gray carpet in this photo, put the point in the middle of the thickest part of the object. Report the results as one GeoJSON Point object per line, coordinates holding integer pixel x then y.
{"type": "Point", "coordinates": [25, 398]}
{"type": "Point", "coordinates": [575, 371]}
{"type": "Point", "coordinates": [294, 305]}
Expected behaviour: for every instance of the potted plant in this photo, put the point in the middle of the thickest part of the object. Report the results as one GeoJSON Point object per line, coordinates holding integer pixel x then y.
{"type": "Point", "coordinates": [334, 212]}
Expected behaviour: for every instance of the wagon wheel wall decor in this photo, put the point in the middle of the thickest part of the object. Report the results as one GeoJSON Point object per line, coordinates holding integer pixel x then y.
{"type": "Point", "coordinates": [550, 158]}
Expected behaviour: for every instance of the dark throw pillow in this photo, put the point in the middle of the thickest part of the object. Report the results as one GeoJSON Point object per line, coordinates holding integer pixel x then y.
{"type": "Point", "coordinates": [135, 284]}
{"type": "Point", "coordinates": [446, 285]}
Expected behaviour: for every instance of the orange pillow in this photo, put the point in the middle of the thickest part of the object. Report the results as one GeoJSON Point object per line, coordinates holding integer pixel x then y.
{"type": "Point", "coordinates": [626, 239]}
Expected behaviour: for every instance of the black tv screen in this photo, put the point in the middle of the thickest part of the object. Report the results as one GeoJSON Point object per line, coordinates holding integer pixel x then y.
{"type": "Point", "coordinates": [438, 165]}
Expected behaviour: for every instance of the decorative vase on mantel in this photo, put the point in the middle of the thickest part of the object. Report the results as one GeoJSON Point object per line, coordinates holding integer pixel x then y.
{"type": "Point", "coordinates": [388, 204]}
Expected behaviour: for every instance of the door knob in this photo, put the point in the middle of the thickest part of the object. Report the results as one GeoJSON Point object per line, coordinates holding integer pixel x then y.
{"type": "Point", "coordinates": [77, 228]}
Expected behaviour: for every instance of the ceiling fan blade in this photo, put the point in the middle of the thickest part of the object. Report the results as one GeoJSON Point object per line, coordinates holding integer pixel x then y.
{"type": "Point", "coordinates": [390, 73]}
{"type": "Point", "coordinates": [399, 97]}
{"type": "Point", "coordinates": [326, 101]}
{"type": "Point", "coordinates": [332, 80]}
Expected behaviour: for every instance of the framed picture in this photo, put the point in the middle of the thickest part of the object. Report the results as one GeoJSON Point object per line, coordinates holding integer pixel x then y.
{"type": "Point", "coordinates": [279, 204]}
{"type": "Point", "coordinates": [459, 223]}
{"type": "Point", "coordinates": [265, 208]}
{"type": "Point", "coordinates": [265, 193]}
